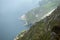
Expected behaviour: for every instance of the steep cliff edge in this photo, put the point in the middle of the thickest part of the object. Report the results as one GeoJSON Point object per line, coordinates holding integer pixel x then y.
{"type": "Point", "coordinates": [46, 29]}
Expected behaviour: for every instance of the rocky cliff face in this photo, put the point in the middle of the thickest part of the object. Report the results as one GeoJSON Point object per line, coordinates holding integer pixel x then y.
{"type": "Point", "coordinates": [46, 29]}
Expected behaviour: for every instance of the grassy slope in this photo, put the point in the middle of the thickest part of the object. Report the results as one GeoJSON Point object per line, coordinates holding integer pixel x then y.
{"type": "Point", "coordinates": [42, 29]}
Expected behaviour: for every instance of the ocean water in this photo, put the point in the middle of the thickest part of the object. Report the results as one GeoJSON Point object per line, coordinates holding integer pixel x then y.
{"type": "Point", "coordinates": [10, 12]}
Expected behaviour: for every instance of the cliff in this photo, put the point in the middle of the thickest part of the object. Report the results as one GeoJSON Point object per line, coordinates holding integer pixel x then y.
{"type": "Point", "coordinates": [46, 29]}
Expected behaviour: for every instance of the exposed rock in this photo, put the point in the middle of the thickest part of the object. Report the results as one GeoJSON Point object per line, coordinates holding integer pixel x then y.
{"type": "Point", "coordinates": [46, 29]}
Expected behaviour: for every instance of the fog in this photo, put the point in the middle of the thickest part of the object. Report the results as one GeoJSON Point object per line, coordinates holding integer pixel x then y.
{"type": "Point", "coordinates": [10, 11]}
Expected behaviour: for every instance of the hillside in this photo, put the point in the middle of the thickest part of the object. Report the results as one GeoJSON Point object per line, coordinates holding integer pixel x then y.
{"type": "Point", "coordinates": [46, 29]}
{"type": "Point", "coordinates": [35, 14]}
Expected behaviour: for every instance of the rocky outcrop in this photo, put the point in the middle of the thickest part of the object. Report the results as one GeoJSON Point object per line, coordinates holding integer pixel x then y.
{"type": "Point", "coordinates": [46, 29]}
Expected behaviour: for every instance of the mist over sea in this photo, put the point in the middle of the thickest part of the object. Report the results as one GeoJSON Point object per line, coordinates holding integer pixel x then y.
{"type": "Point", "coordinates": [10, 12]}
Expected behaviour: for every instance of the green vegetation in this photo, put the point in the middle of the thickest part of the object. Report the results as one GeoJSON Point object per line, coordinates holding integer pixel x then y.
{"type": "Point", "coordinates": [35, 14]}
{"type": "Point", "coordinates": [42, 30]}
